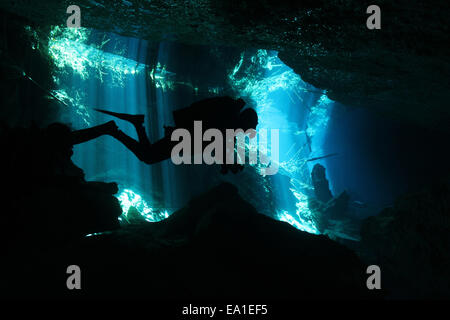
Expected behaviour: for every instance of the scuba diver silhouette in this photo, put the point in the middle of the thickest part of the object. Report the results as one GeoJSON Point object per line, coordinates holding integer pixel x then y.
{"type": "Point", "coordinates": [219, 113]}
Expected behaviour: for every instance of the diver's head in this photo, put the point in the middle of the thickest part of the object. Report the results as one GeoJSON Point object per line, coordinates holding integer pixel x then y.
{"type": "Point", "coordinates": [248, 119]}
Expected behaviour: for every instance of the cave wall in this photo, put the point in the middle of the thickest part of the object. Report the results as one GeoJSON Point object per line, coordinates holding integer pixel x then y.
{"type": "Point", "coordinates": [26, 75]}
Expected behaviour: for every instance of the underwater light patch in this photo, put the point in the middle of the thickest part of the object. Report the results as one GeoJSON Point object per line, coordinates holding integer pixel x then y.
{"type": "Point", "coordinates": [129, 199]}
{"type": "Point", "coordinates": [301, 225]}
{"type": "Point", "coordinates": [275, 90]}
{"type": "Point", "coordinates": [75, 57]}
{"type": "Point", "coordinates": [68, 47]}
{"type": "Point", "coordinates": [303, 213]}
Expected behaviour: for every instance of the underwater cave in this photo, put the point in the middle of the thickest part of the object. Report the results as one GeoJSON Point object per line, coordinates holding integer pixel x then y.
{"type": "Point", "coordinates": [362, 161]}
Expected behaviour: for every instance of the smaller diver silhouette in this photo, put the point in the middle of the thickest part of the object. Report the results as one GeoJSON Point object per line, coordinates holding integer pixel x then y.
{"type": "Point", "coordinates": [220, 113]}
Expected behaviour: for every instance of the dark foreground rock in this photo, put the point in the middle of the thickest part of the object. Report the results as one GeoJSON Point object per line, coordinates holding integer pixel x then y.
{"type": "Point", "coordinates": [216, 247]}
{"type": "Point", "coordinates": [46, 200]}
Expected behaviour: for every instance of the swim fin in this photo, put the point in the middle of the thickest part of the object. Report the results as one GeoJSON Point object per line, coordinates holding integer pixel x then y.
{"type": "Point", "coordinates": [136, 119]}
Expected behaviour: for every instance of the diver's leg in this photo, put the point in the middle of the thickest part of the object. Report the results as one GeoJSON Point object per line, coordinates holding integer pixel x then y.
{"type": "Point", "coordinates": [142, 135]}
{"type": "Point", "coordinates": [148, 153]}
{"type": "Point", "coordinates": [133, 118]}
{"type": "Point", "coordinates": [161, 150]}
{"type": "Point", "coordinates": [84, 135]}
{"type": "Point", "coordinates": [158, 151]}
{"type": "Point", "coordinates": [141, 150]}
{"type": "Point", "coordinates": [137, 120]}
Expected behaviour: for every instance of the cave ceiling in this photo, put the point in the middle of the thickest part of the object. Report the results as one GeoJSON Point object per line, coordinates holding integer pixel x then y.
{"type": "Point", "coordinates": [401, 70]}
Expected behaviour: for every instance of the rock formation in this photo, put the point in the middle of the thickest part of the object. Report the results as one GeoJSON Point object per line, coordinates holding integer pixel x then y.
{"type": "Point", "coordinates": [48, 202]}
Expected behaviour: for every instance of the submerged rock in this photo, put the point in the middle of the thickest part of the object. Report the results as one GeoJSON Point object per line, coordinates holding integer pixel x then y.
{"type": "Point", "coordinates": [320, 183]}
{"type": "Point", "coordinates": [330, 214]}
{"type": "Point", "coordinates": [336, 209]}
